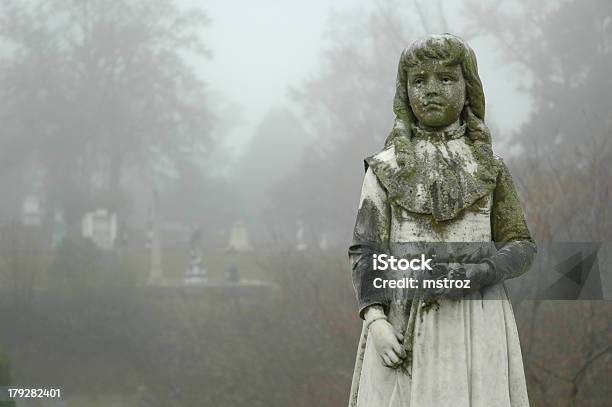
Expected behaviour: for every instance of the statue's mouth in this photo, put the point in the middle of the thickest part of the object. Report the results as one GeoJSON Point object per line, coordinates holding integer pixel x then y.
{"type": "Point", "coordinates": [433, 104]}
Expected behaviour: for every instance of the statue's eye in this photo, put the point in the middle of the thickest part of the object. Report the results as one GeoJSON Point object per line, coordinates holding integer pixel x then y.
{"type": "Point", "coordinates": [447, 80]}
{"type": "Point", "coordinates": [418, 81]}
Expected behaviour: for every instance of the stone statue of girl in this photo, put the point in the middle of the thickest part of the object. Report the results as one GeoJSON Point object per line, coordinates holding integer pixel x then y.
{"type": "Point", "coordinates": [437, 188]}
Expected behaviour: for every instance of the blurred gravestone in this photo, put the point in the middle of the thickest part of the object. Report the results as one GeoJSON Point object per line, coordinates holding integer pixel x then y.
{"type": "Point", "coordinates": [299, 237]}
{"type": "Point", "coordinates": [31, 212]}
{"type": "Point", "coordinates": [101, 227]}
{"type": "Point", "coordinates": [239, 239]}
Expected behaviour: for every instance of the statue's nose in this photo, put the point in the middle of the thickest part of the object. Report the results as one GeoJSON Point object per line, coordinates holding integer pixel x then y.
{"type": "Point", "coordinates": [432, 90]}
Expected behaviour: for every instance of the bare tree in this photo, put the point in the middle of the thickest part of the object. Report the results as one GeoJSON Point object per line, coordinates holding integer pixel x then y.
{"type": "Point", "coordinates": [93, 88]}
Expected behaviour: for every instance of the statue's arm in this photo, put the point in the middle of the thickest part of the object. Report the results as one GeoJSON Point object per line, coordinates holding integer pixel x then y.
{"type": "Point", "coordinates": [516, 248]}
{"type": "Point", "coordinates": [371, 235]}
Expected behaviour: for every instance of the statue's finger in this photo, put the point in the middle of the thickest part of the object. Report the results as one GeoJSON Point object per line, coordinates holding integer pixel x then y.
{"type": "Point", "coordinates": [399, 351]}
{"type": "Point", "coordinates": [393, 358]}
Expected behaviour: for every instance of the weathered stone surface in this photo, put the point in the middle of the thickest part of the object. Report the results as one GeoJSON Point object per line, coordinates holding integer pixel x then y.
{"type": "Point", "coordinates": [437, 183]}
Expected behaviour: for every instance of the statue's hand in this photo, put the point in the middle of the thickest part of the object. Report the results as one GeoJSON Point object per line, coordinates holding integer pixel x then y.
{"type": "Point", "coordinates": [478, 275]}
{"type": "Point", "coordinates": [387, 342]}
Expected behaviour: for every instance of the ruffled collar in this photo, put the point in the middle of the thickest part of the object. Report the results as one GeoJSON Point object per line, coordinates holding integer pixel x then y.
{"type": "Point", "coordinates": [450, 134]}
{"type": "Point", "coordinates": [437, 173]}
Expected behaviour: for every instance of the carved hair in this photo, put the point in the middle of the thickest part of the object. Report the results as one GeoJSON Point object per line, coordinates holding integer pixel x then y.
{"type": "Point", "coordinates": [451, 50]}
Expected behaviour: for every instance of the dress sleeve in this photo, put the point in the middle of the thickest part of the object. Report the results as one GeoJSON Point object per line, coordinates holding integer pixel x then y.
{"type": "Point", "coordinates": [370, 236]}
{"type": "Point", "coordinates": [516, 248]}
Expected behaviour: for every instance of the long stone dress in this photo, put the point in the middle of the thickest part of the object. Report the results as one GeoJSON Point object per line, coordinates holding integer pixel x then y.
{"type": "Point", "coordinates": [466, 353]}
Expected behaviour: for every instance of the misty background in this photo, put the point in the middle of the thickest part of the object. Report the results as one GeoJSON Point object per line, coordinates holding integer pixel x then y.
{"type": "Point", "coordinates": [180, 182]}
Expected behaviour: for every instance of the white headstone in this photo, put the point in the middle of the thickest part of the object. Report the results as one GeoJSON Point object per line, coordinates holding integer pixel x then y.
{"type": "Point", "coordinates": [239, 239]}
{"type": "Point", "coordinates": [299, 237]}
{"type": "Point", "coordinates": [101, 227]}
{"type": "Point", "coordinates": [30, 211]}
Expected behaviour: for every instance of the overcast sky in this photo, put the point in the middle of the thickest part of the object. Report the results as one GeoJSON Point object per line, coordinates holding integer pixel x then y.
{"type": "Point", "coordinates": [260, 48]}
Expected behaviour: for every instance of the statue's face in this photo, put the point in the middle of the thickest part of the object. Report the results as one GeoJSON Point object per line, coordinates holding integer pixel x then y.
{"type": "Point", "coordinates": [436, 92]}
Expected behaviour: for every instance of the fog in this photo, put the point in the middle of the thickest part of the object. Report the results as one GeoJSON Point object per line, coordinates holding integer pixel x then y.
{"type": "Point", "coordinates": [261, 52]}
{"type": "Point", "coordinates": [180, 181]}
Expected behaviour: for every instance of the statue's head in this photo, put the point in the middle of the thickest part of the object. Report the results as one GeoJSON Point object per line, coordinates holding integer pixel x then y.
{"type": "Point", "coordinates": [438, 83]}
